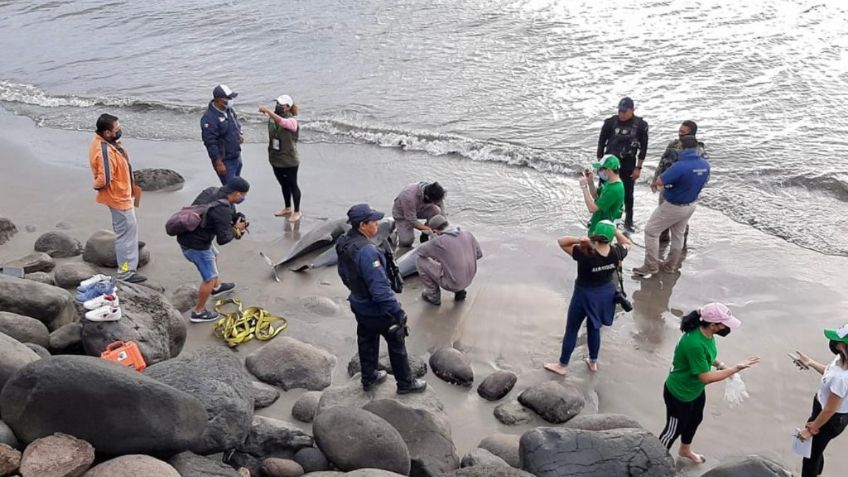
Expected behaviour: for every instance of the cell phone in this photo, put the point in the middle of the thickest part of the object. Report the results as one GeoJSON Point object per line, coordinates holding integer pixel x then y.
{"type": "Point", "coordinates": [797, 361]}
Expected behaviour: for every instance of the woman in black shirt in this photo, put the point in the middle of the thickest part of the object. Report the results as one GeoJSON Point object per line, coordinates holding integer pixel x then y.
{"type": "Point", "coordinates": [594, 289]}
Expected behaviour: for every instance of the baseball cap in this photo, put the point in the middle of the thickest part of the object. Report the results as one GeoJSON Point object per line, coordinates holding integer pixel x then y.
{"type": "Point", "coordinates": [604, 228]}
{"type": "Point", "coordinates": [362, 213]}
{"type": "Point", "coordinates": [237, 184]}
{"type": "Point", "coordinates": [719, 313]}
{"type": "Point", "coordinates": [285, 99]}
{"type": "Point", "coordinates": [609, 161]}
{"type": "Point", "coordinates": [625, 104]}
{"type": "Point", "coordinates": [437, 222]}
{"type": "Point", "coordinates": [223, 91]}
{"type": "Point", "coordinates": [840, 334]}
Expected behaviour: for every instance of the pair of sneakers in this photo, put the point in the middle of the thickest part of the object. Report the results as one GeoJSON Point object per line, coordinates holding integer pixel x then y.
{"type": "Point", "coordinates": [105, 307]}
{"type": "Point", "coordinates": [94, 287]}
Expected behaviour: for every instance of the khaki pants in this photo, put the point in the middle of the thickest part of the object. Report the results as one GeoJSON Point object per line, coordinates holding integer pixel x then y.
{"type": "Point", "coordinates": [671, 217]}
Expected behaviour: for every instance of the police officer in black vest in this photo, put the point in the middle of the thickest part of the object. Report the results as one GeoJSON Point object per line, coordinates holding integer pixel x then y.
{"type": "Point", "coordinates": [378, 313]}
{"type": "Point", "coordinates": [626, 136]}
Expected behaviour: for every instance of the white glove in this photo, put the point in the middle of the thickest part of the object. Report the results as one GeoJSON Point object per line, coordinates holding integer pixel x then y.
{"type": "Point", "coordinates": [735, 391]}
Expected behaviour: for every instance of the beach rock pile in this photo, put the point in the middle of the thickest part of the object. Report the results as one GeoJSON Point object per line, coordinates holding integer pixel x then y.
{"type": "Point", "coordinates": [34, 262]}
{"type": "Point", "coordinates": [452, 366]}
{"type": "Point", "coordinates": [158, 179]}
{"type": "Point", "coordinates": [417, 365]}
{"type": "Point", "coordinates": [553, 402]}
{"type": "Point", "coordinates": [497, 385]}
{"type": "Point", "coordinates": [50, 305]}
{"type": "Point", "coordinates": [748, 466]}
{"type": "Point", "coordinates": [7, 230]}
{"type": "Point", "coordinates": [58, 245]}
{"type": "Point", "coordinates": [290, 363]}
{"type": "Point", "coordinates": [100, 250]}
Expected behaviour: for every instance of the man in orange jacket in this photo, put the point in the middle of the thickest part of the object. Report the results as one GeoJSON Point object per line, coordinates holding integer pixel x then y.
{"type": "Point", "coordinates": [113, 182]}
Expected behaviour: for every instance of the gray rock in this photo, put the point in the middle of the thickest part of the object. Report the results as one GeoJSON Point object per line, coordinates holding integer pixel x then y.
{"type": "Point", "coordinates": [478, 456]}
{"type": "Point", "coordinates": [306, 405]}
{"type": "Point", "coordinates": [133, 466]}
{"type": "Point", "coordinates": [24, 328]}
{"type": "Point", "coordinates": [602, 422]}
{"type": "Point", "coordinates": [189, 464]}
{"type": "Point", "coordinates": [512, 413]}
{"type": "Point", "coordinates": [427, 436]}
{"type": "Point", "coordinates": [7, 230]}
{"type": "Point", "coordinates": [274, 438]}
{"type": "Point", "coordinates": [553, 402]}
{"type": "Point", "coordinates": [290, 363]}
{"type": "Point", "coordinates": [320, 305]}
{"type": "Point", "coordinates": [312, 459]}
{"type": "Point", "coordinates": [158, 179]}
{"type": "Point", "coordinates": [41, 351]}
{"type": "Point", "coordinates": [263, 394]}
{"type": "Point", "coordinates": [58, 245]}
{"type": "Point", "coordinates": [67, 339]}
{"type": "Point", "coordinates": [14, 356]}
{"type": "Point", "coordinates": [452, 366]}
{"type": "Point", "coordinates": [339, 434]}
{"type": "Point", "coordinates": [275, 467]}
{"type": "Point", "coordinates": [184, 297]}
{"type": "Point", "coordinates": [10, 459]}
{"type": "Point", "coordinates": [146, 318]}
{"type": "Point", "coordinates": [497, 385]}
{"type": "Point", "coordinates": [558, 452]}
{"type": "Point", "coordinates": [69, 275]}
{"type": "Point", "coordinates": [30, 228]}
{"type": "Point", "coordinates": [504, 446]}
{"type": "Point", "coordinates": [76, 395]}
{"type": "Point", "coordinates": [7, 436]}
{"type": "Point", "coordinates": [100, 250]}
{"type": "Point", "coordinates": [416, 364]}
{"type": "Point", "coordinates": [48, 304]}
{"type": "Point", "coordinates": [748, 466]}
{"type": "Point", "coordinates": [41, 277]}
{"type": "Point", "coordinates": [351, 394]}
{"type": "Point", "coordinates": [218, 379]}
{"type": "Point", "coordinates": [62, 225]}
{"type": "Point", "coordinates": [59, 455]}
{"type": "Point", "coordinates": [34, 262]}
{"type": "Point", "coordinates": [487, 471]}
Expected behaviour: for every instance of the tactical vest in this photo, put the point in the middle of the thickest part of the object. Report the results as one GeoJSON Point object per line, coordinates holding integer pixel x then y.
{"type": "Point", "coordinates": [348, 249]}
{"type": "Point", "coordinates": [286, 155]}
{"type": "Point", "coordinates": [624, 141]}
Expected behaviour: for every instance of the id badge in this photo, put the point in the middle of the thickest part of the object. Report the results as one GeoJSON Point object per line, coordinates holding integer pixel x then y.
{"type": "Point", "coordinates": [275, 144]}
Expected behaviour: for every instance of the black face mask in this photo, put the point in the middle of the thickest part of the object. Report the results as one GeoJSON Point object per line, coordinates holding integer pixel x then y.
{"type": "Point", "coordinates": [279, 110]}
{"type": "Point", "coordinates": [118, 134]}
{"type": "Point", "coordinates": [723, 332]}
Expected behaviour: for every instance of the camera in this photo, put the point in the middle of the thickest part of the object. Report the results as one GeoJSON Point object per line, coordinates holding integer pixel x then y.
{"type": "Point", "coordinates": [620, 298]}
{"type": "Point", "coordinates": [240, 218]}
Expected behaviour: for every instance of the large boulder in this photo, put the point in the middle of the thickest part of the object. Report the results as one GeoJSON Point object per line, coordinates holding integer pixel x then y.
{"type": "Point", "coordinates": [306, 405]}
{"type": "Point", "coordinates": [748, 466]}
{"type": "Point", "coordinates": [48, 304]}
{"type": "Point", "coordinates": [69, 275]}
{"type": "Point", "coordinates": [478, 456]}
{"type": "Point", "coordinates": [100, 250]}
{"type": "Point", "coordinates": [133, 466]}
{"type": "Point", "coordinates": [7, 230]}
{"type": "Point", "coordinates": [67, 339]}
{"type": "Point", "coordinates": [602, 422]}
{"type": "Point", "coordinates": [76, 395]}
{"type": "Point", "coordinates": [10, 459]}
{"type": "Point", "coordinates": [215, 376]}
{"type": "Point", "coordinates": [290, 363]}
{"type": "Point", "coordinates": [158, 179]}
{"type": "Point", "coordinates": [417, 365]}
{"type": "Point", "coordinates": [504, 446]}
{"type": "Point", "coordinates": [351, 394]}
{"type": "Point", "coordinates": [427, 436]}
{"type": "Point", "coordinates": [23, 328]}
{"type": "Point", "coordinates": [189, 464]}
{"type": "Point", "coordinates": [452, 365]}
{"type": "Point", "coordinates": [487, 471]}
{"type": "Point", "coordinates": [7, 436]}
{"type": "Point", "coordinates": [274, 438]}
{"type": "Point", "coordinates": [497, 385]}
{"type": "Point", "coordinates": [558, 452]}
{"type": "Point", "coordinates": [512, 412]}
{"type": "Point", "coordinates": [146, 318]}
{"type": "Point", "coordinates": [58, 245]}
{"type": "Point", "coordinates": [263, 394]}
{"type": "Point", "coordinates": [312, 460]}
{"type": "Point", "coordinates": [59, 455]}
{"type": "Point", "coordinates": [34, 262]}
{"type": "Point", "coordinates": [339, 433]}
{"type": "Point", "coordinates": [553, 402]}
{"type": "Point", "coordinates": [14, 356]}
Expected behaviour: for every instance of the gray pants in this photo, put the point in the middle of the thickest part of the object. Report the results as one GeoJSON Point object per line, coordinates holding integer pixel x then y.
{"type": "Point", "coordinates": [406, 229]}
{"type": "Point", "coordinates": [126, 241]}
{"type": "Point", "coordinates": [430, 272]}
{"type": "Point", "coordinates": [671, 217]}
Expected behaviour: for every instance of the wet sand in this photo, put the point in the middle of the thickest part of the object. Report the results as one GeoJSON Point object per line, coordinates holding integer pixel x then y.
{"type": "Point", "coordinates": [515, 313]}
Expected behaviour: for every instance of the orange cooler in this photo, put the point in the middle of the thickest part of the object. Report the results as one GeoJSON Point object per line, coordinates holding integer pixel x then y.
{"type": "Point", "coordinates": [125, 353]}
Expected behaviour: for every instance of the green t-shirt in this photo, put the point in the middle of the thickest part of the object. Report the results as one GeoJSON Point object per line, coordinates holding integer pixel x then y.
{"type": "Point", "coordinates": [610, 201]}
{"type": "Point", "coordinates": [694, 355]}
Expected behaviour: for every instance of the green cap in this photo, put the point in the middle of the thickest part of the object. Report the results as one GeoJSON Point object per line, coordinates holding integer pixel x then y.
{"type": "Point", "coordinates": [603, 228]}
{"type": "Point", "coordinates": [609, 161]}
{"type": "Point", "coordinates": [838, 335]}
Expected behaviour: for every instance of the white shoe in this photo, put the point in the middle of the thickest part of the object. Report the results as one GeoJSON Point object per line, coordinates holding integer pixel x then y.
{"type": "Point", "coordinates": [91, 281]}
{"type": "Point", "coordinates": [104, 313]}
{"type": "Point", "coordinates": [109, 299]}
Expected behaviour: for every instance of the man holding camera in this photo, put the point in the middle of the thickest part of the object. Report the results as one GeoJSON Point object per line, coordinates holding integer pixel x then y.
{"type": "Point", "coordinates": [220, 222]}
{"type": "Point", "coordinates": [363, 270]}
{"type": "Point", "coordinates": [606, 201]}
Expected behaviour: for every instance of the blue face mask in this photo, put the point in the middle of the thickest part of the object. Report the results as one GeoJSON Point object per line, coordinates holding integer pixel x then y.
{"type": "Point", "coordinates": [241, 199]}
{"type": "Point", "coordinates": [603, 175]}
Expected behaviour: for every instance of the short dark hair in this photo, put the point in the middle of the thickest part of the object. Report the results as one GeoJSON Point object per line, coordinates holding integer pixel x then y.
{"type": "Point", "coordinates": [435, 192]}
{"type": "Point", "coordinates": [693, 128]}
{"type": "Point", "coordinates": [105, 123]}
{"type": "Point", "coordinates": [688, 142]}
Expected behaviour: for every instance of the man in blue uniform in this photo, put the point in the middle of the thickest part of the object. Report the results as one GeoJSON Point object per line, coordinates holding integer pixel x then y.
{"type": "Point", "coordinates": [363, 270]}
{"type": "Point", "coordinates": [221, 133]}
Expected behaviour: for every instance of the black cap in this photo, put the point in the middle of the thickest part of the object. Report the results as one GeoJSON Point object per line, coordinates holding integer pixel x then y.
{"type": "Point", "coordinates": [362, 213]}
{"type": "Point", "coordinates": [626, 104]}
{"type": "Point", "coordinates": [223, 91]}
{"type": "Point", "coordinates": [237, 184]}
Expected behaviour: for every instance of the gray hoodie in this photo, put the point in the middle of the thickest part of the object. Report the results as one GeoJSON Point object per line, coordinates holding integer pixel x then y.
{"type": "Point", "coordinates": [457, 251]}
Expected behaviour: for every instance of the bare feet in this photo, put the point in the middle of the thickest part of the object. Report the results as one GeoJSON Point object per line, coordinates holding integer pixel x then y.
{"type": "Point", "coordinates": [695, 458]}
{"type": "Point", "coordinates": [283, 212]}
{"type": "Point", "coordinates": [557, 368]}
{"type": "Point", "coordinates": [592, 365]}
{"type": "Point", "coordinates": [295, 216]}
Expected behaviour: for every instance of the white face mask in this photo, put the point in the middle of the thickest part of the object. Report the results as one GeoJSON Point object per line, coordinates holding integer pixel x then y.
{"type": "Point", "coordinates": [603, 175]}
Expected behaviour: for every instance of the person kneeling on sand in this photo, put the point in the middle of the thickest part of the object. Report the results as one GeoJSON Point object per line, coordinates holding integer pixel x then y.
{"type": "Point", "coordinates": [223, 223]}
{"type": "Point", "coordinates": [449, 261]}
{"type": "Point", "coordinates": [694, 357]}
{"type": "Point", "coordinates": [421, 200]}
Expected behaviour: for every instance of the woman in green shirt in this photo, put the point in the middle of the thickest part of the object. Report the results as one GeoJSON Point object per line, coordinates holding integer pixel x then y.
{"type": "Point", "coordinates": [694, 358]}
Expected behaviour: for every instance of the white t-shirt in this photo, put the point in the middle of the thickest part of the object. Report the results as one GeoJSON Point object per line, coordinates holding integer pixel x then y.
{"type": "Point", "coordinates": [834, 381]}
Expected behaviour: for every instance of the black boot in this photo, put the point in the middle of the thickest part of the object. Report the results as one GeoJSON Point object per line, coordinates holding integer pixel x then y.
{"type": "Point", "coordinates": [416, 386]}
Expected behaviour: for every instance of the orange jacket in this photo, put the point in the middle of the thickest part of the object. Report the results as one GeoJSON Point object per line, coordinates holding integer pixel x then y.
{"type": "Point", "coordinates": [113, 183]}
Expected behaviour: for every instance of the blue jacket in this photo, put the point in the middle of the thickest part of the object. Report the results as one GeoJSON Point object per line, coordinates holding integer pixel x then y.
{"type": "Point", "coordinates": [685, 179]}
{"type": "Point", "coordinates": [221, 133]}
{"type": "Point", "coordinates": [368, 272]}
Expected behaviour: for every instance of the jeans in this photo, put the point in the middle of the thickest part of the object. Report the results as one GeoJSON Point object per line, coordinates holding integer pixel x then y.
{"type": "Point", "coordinates": [204, 260]}
{"type": "Point", "coordinates": [233, 170]}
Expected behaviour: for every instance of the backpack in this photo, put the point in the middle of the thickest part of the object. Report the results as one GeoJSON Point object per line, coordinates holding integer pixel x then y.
{"type": "Point", "coordinates": [189, 219]}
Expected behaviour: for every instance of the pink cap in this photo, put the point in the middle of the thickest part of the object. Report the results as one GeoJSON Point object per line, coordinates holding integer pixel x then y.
{"type": "Point", "coordinates": [719, 313]}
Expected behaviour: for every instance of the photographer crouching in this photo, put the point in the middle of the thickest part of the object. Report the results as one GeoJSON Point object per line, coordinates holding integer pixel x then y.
{"type": "Point", "coordinates": [220, 222]}
{"type": "Point", "coordinates": [363, 270]}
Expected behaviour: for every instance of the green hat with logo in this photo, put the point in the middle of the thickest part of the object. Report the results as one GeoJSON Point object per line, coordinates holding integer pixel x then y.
{"type": "Point", "coordinates": [838, 335]}
{"type": "Point", "coordinates": [603, 228]}
{"type": "Point", "coordinates": [609, 161]}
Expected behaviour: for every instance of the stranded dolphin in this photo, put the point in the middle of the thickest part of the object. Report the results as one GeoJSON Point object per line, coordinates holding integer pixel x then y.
{"type": "Point", "coordinates": [322, 236]}
{"type": "Point", "coordinates": [385, 233]}
{"type": "Point", "coordinates": [407, 263]}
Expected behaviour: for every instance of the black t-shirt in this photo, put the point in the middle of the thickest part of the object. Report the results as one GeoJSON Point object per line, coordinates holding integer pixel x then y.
{"type": "Point", "coordinates": [594, 270]}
